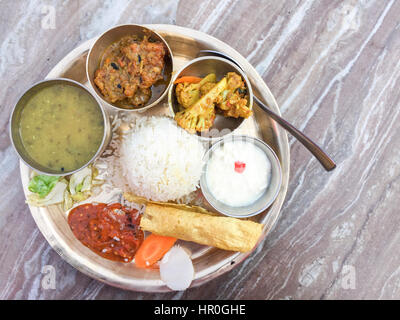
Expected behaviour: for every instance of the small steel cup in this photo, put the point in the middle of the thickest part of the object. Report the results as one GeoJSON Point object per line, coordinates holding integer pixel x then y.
{"type": "Point", "coordinates": [111, 36]}
{"type": "Point", "coordinates": [263, 202]}
{"type": "Point", "coordinates": [200, 67]}
{"type": "Point", "coordinates": [15, 122]}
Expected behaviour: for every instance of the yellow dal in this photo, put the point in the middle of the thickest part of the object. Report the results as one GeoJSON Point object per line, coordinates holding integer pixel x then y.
{"type": "Point", "coordinates": [61, 127]}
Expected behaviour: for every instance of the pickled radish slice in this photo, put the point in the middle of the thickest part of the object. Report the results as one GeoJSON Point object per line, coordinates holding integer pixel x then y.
{"type": "Point", "coordinates": [176, 269]}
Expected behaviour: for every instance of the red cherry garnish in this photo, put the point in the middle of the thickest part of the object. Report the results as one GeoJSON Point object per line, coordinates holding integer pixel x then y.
{"type": "Point", "coordinates": [239, 166]}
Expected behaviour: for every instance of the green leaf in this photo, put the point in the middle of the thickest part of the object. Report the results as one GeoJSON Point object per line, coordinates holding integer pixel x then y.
{"type": "Point", "coordinates": [42, 184]}
{"type": "Point", "coordinates": [79, 187]}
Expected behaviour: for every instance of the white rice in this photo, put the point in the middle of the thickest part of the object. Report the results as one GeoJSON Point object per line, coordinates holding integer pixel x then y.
{"type": "Point", "coordinates": [159, 160]}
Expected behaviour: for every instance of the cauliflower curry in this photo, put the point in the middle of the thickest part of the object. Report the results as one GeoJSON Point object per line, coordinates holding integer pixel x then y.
{"type": "Point", "coordinates": [201, 99]}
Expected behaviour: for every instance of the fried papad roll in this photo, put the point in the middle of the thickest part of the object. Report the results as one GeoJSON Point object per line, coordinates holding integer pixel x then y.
{"type": "Point", "coordinates": [212, 230]}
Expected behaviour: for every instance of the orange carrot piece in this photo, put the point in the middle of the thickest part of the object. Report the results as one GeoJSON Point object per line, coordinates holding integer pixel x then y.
{"type": "Point", "coordinates": [189, 79]}
{"type": "Point", "coordinates": [153, 249]}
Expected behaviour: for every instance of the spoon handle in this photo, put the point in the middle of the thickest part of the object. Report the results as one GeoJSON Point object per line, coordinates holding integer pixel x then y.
{"type": "Point", "coordinates": [321, 156]}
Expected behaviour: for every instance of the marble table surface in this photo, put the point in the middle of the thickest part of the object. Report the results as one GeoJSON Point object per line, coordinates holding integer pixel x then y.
{"type": "Point", "coordinates": [334, 69]}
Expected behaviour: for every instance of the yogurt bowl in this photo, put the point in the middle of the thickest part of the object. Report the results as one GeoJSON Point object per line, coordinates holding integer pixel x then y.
{"type": "Point", "coordinates": [241, 176]}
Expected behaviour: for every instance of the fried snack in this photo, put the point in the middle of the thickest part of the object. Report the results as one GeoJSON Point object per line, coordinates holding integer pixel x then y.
{"type": "Point", "coordinates": [217, 231]}
{"type": "Point", "coordinates": [141, 200]}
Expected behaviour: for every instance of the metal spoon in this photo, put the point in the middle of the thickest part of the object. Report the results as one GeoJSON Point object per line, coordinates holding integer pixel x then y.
{"type": "Point", "coordinates": [321, 156]}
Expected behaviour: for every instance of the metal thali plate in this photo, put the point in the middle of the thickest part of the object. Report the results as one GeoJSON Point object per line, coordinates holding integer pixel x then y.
{"type": "Point", "coordinates": [209, 263]}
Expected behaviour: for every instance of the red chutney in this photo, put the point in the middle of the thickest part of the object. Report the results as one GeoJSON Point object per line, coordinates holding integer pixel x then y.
{"type": "Point", "coordinates": [112, 231]}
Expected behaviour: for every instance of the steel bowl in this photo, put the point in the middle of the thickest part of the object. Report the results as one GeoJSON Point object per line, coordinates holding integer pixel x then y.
{"type": "Point", "coordinates": [16, 117]}
{"type": "Point", "coordinates": [263, 202]}
{"type": "Point", "coordinates": [200, 67]}
{"type": "Point", "coordinates": [111, 36]}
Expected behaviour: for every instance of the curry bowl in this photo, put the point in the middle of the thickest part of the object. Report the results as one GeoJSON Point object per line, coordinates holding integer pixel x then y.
{"type": "Point", "coordinates": [108, 46]}
{"type": "Point", "coordinates": [58, 127]}
{"type": "Point", "coordinates": [200, 67]}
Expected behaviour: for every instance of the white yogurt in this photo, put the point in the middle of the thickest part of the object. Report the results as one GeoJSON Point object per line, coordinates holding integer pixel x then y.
{"type": "Point", "coordinates": [246, 184]}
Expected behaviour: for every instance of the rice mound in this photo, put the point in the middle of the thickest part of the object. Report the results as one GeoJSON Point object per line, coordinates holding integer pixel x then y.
{"type": "Point", "coordinates": [161, 161]}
